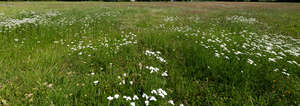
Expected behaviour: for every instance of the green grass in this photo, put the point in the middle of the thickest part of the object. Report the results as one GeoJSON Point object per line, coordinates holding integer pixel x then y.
{"type": "Point", "coordinates": [50, 50]}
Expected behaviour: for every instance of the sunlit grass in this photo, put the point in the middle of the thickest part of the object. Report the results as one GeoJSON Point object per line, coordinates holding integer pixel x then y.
{"type": "Point", "coordinates": [93, 53]}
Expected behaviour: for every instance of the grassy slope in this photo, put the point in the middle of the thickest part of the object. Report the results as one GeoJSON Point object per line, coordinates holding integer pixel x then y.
{"type": "Point", "coordinates": [55, 74]}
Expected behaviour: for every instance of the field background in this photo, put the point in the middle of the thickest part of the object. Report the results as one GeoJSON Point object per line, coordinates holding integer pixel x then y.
{"type": "Point", "coordinates": [214, 53]}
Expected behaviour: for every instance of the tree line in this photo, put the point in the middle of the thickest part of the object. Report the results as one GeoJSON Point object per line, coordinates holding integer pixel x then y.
{"type": "Point", "coordinates": [167, 0]}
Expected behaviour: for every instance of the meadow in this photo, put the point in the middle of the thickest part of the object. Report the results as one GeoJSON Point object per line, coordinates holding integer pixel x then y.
{"type": "Point", "coordinates": [156, 53]}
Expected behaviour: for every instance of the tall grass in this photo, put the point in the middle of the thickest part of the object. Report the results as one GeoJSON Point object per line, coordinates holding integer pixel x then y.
{"type": "Point", "coordinates": [87, 54]}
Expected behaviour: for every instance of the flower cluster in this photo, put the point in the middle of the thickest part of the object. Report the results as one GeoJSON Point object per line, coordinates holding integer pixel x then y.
{"type": "Point", "coordinates": [156, 55]}
{"type": "Point", "coordinates": [241, 19]}
{"type": "Point", "coordinates": [274, 48]}
{"type": "Point", "coordinates": [33, 18]}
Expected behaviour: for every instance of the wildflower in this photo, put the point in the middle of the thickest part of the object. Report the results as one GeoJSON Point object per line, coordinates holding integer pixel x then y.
{"type": "Point", "coordinates": [162, 95]}
{"type": "Point", "coordinates": [127, 98]}
{"type": "Point", "coordinates": [135, 97]}
{"type": "Point", "coordinates": [284, 70]}
{"type": "Point", "coordinates": [92, 73]}
{"type": "Point", "coordinates": [164, 74]}
{"type": "Point", "coordinates": [250, 61]}
{"type": "Point", "coordinates": [217, 54]}
{"type": "Point", "coordinates": [162, 91]}
{"type": "Point", "coordinates": [132, 104]}
{"type": "Point", "coordinates": [226, 57]}
{"type": "Point", "coordinates": [116, 96]}
{"type": "Point", "coordinates": [110, 98]}
{"type": "Point", "coordinates": [146, 102]}
{"type": "Point", "coordinates": [155, 54]}
{"type": "Point", "coordinates": [152, 98]}
{"type": "Point", "coordinates": [154, 92]}
{"type": "Point", "coordinates": [16, 40]}
{"type": "Point", "coordinates": [131, 82]}
{"type": "Point", "coordinates": [285, 73]}
{"type": "Point", "coordinates": [96, 82]}
{"type": "Point", "coordinates": [145, 96]}
{"type": "Point", "coordinates": [161, 59]}
{"type": "Point", "coordinates": [28, 95]}
{"type": "Point", "coordinates": [171, 102]}
{"type": "Point", "coordinates": [258, 54]}
{"type": "Point", "coordinates": [50, 85]}
{"type": "Point", "coordinates": [123, 81]}
{"type": "Point", "coordinates": [181, 105]}
{"type": "Point", "coordinates": [152, 69]}
{"type": "Point", "coordinates": [237, 52]}
{"type": "Point", "coordinates": [272, 59]}
{"type": "Point", "coordinates": [56, 42]}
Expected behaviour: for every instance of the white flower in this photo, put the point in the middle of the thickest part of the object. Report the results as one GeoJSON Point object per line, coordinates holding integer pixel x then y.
{"type": "Point", "coordinates": [145, 96]}
{"type": "Point", "coordinates": [160, 94]}
{"type": "Point", "coordinates": [161, 59]}
{"type": "Point", "coordinates": [128, 98]}
{"type": "Point", "coordinates": [50, 85]}
{"type": "Point", "coordinates": [123, 81]}
{"type": "Point", "coordinates": [162, 91]}
{"type": "Point", "coordinates": [155, 54]}
{"type": "Point", "coordinates": [116, 96]}
{"type": "Point", "coordinates": [110, 98]}
{"type": "Point", "coordinates": [152, 69]}
{"type": "Point", "coordinates": [124, 75]}
{"type": "Point", "coordinates": [284, 70]}
{"type": "Point", "coordinates": [146, 102]}
{"type": "Point", "coordinates": [285, 73]}
{"type": "Point", "coordinates": [56, 42]}
{"type": "Point", "coordinates": [181, 105]}
{"type": "Point", "coordinates": [171, 102]}
{"type": "Point", "coordinates": [154, 92]}
{"type": "Point", "coordinates": [16, 40]}
{"type": "Point", "coordinates": [237, 52]}
{"type": "Point", "coordinates": [131, 82]}
{"type": "Point", "coordinates": [164, 74]}
{"type": "Point", "coordinates": [226, 57]}
{"type": "Point", "coordinates": [251, 61]}
{"type": "Point", "coordinates": [92, 73]}
{"type": "Point", "coordinates": [132, 103]}
{"type": "Point", "coordinates": [217, 54]}
{"type": "Point", "coordinates": [152, 98]}
{"type": "Point", "coordinates": [135, 97]}
{"type": "Point", "coordinates": [272, 59]}
{"type": "Point", "coordinates": [96, 82]}
{"type": "Point", "coordinates": [258, 54]}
